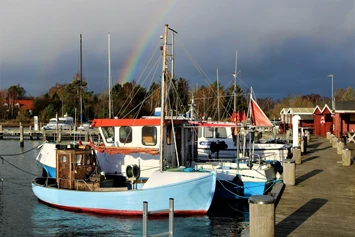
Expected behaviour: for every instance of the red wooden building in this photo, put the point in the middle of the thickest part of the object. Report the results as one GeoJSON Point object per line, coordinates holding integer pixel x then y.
{"type": "Point", "coordinates": [322, 121]}
{"type": "Point", "coordinates": [344, 118]}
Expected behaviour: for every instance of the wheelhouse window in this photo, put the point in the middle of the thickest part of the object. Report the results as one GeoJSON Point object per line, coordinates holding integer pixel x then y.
{"type": "Point", "coordinates": [208, 132]}
{"type": "Point", "coordinates": [109, 133]}
{"type": "Point", "coordinates": [199, 132]}
{"type": "Point", "coordinates": [149, 136]}
{"type": "Point", "coordinates": [125, 134]}
{"type": "Point", "coordinates": [221, 133]}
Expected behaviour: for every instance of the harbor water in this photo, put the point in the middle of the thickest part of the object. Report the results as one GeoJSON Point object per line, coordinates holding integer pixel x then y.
{"type": "Point", "coordinates": [21, 214]}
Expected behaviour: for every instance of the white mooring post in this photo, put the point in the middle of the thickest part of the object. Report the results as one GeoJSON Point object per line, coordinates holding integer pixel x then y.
{"type": "Point", "coordinates": [289, 174]}
{"type": "Point", "coordinates": [340, 147]}
{"type": "Point", "coordinates": [346, 157]}
{"type": "Point", "coordinates": [261, 216]}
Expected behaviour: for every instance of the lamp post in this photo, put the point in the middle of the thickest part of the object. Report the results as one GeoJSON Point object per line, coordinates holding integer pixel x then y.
{"type": "Point", "coordinates": [332, 76]}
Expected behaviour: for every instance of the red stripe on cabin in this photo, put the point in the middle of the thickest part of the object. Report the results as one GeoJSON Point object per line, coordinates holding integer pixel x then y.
{"type": "Point", "coordinates": [125, 122]}
{"type": "Point", "coordinates": [132, 122]}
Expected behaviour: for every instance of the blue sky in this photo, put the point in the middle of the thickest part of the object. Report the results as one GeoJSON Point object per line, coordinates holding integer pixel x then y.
{"type": "Point", "coordinates": [284, 46]}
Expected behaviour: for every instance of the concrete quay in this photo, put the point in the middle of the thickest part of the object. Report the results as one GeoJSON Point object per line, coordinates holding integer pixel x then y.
{"type": "Point", "coordinates": [322, 202]}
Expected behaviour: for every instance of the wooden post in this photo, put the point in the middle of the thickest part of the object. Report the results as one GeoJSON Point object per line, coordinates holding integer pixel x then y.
{"type": "Point", "coordinates": [261, 216]}
{"type": "Point", "coordinates": [86, 136]}
{"type": "Point", "coordinates": [21, 135]}
{"type": "Point", "coordinates": [44, 136]}
{"type": "Point", "coordinates": [59, 135]}
{"type": "Point", "coordinates": [289, 175]}
{"type": "Point", "coordinates": [304, 144]}
{"type": "Point", "coordinates": [340, 147]}
{"type": "Point", "coordinates": [297, 155]}
{"type": "Point", "coordinates": [31, 137]}
{"type": "Point", "coordinates": [346, 157]}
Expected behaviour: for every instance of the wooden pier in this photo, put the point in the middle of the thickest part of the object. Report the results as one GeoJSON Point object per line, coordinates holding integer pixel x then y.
{"type": "Point", "coordinates": [50, 135]}
{"type": "Point", "coordinates": [322, 203]}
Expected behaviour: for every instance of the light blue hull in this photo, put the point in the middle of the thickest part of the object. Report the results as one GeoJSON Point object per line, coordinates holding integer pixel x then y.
{"type": "Point", "coordinates": [193, 196]}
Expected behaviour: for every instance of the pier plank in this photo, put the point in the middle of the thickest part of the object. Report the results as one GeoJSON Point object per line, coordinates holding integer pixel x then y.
{"type": "Point", "coordinates": [322, 203]}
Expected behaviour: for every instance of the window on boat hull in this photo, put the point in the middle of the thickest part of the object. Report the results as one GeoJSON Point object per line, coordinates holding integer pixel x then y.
{"type": "Point", "coordinates": [221, 133]}
{"type": "Point", "coordinates": [109, 134]}
{"type": "Point", "coordinates": [149, 136]}
{"type": "Point", "coordinates": [125, 134]}
{"type": "Point", "coordinates": [208, 132]}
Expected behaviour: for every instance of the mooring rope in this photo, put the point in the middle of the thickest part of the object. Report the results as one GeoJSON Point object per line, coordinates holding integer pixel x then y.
{"type": "Point", "coordinates": [4, 160]}
{"type": "Point", "coordinates": [18, 154]}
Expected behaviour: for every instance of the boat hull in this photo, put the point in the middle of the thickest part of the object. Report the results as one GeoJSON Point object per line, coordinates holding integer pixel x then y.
{"type": "Point", "coordinates": [239, 181]}
{"type": "Point", "coordinates": [193, 195]}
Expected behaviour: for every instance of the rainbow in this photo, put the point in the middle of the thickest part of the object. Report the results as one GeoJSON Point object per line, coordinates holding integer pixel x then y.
{"type": "Point", "coordinates": [151, 33]}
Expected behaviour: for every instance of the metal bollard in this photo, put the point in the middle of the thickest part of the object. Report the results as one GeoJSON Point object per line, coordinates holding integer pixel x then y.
{"type": "Point", "coordinates": [262, 216]}
{"type": "Point", "coordinates": [289, 174]}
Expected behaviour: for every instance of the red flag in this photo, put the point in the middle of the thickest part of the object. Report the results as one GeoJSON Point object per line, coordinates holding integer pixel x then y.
{"type": "Point", "coordinates": [244, 116]}
{"type": "Point", "coordinates": [257, 115]}
{"type": "Point", "coordinates": [233, 117]}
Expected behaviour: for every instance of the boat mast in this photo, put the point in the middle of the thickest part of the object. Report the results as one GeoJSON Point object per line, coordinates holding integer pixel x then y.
{"type": "Point", "coordinates": [81, 79]}
{"type": "Point", "coordinates": [163, 85]}
{"type": "Point", "coordinates": [109, 75]}
{"type": "Point", "coordinates": [235, 83]}
{"type": "Point", "coordinates": [219, 119]}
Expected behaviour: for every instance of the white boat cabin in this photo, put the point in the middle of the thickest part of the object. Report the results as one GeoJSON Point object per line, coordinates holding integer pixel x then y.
{"type": "Point", "coordinates": [137, 142]}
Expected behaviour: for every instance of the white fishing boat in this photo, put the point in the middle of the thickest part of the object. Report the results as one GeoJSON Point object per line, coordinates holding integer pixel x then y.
{"type": "Point", "coordinates": [135, 163]}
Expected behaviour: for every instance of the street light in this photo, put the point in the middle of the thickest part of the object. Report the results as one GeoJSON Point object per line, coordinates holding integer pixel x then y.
{"type": "Point", "coordinates": [332, 76]}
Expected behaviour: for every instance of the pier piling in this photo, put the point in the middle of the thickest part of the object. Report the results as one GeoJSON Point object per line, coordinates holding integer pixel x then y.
{"type": "Point", "coordinates": [334, 142]}
{"type": "Point", "coordinates": [21, 136]}
{"type": "Point", "coordinates": [262, 216]}
{"type": "Point", "coordinates": [297, 155]}
{"type": "Point", "coordinates": [340, 147]}
{"type": "Point", "coordinates": [289, 174]}
{"type": "Point", "coordinates": [346, 157]}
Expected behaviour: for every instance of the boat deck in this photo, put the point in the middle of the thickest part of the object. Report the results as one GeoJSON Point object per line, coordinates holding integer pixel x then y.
{"type": "Point", "coordinates": [322, 203]}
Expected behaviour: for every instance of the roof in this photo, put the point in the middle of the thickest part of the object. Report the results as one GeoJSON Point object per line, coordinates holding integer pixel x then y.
{"type": "Point", "coordinates": [27, 104]}
{"type": "Point", "coordinates": [306, 116]}
{"type": "Point", "coordinates": [301, 110]}
{"type": "Point", "coordinates": [344, 106]}
{"type": "Point", "coordinates": [284, 110]}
